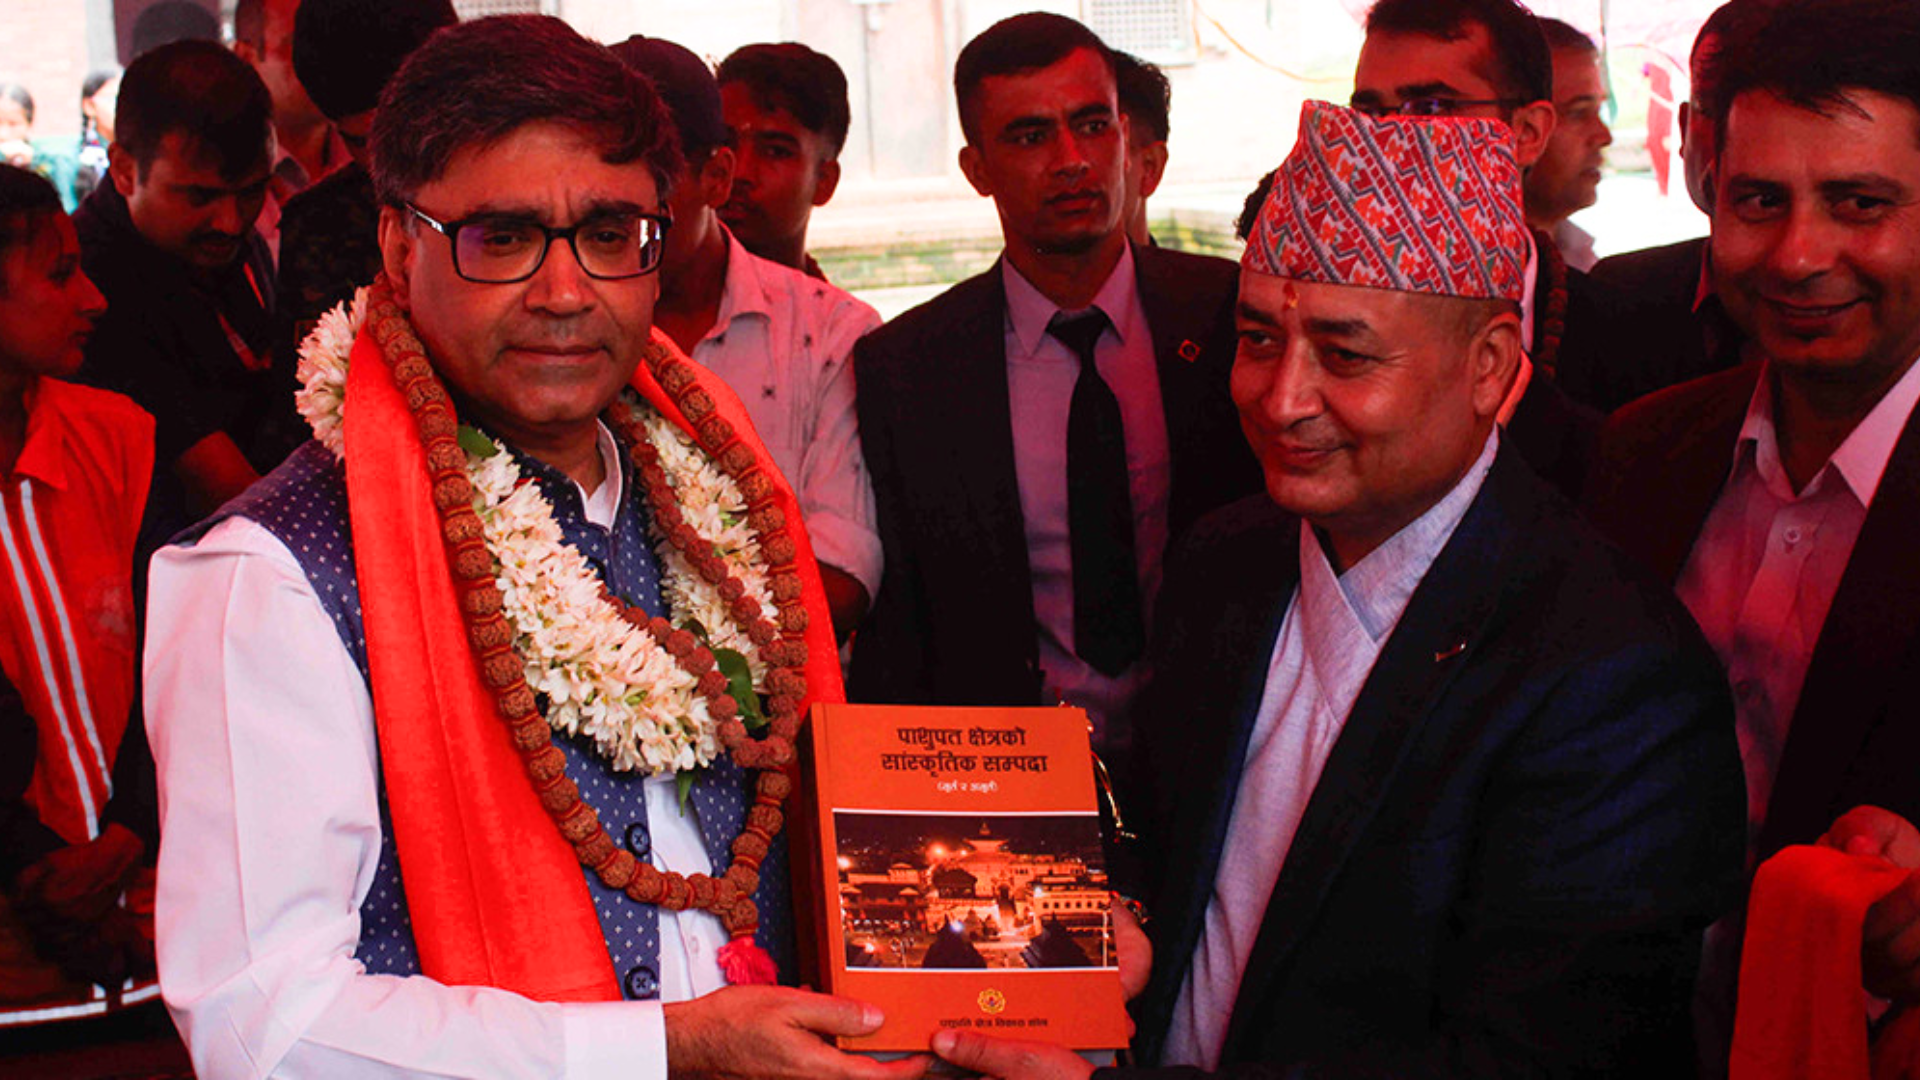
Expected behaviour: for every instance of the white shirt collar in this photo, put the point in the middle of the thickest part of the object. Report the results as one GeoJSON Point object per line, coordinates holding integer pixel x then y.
{"type": "Point", "coordinates": [1029, 310]}
{"type": "Point", "coordinates": [1862, 457]}
{"type": "Point", "coordinates": [602, 505]}
{"type": "Point", "coordinates": [744, 292]}
{"type": "Point", "coordinates": [1375, 590]}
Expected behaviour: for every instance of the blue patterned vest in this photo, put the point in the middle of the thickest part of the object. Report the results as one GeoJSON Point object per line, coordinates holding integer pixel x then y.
{"type": "Point", "coordinates": [303, 503]}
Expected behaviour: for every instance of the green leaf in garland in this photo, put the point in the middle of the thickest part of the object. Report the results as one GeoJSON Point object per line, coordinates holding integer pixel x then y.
{"type": "Point", "coordinates": [473, 442]}
{"type": "Point", "coordinates": [692, 626]}
{"type": "Point", "coordinates": [740, 687]}
{"type": "Point", "coordinates": [683, 786]}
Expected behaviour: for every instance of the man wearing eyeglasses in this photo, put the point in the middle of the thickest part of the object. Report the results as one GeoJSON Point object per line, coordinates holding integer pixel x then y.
{"type": "Point", "coordinates": [1489, 59]}
{"type": "Point", "coordinates": [387, 853]}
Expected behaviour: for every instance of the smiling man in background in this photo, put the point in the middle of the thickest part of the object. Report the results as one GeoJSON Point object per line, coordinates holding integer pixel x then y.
{"type": "Point", "coordinates": [1781, 497]}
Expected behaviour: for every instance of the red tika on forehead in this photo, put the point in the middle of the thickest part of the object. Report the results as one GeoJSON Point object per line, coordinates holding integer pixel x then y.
{"type": "Point", "coordinates": [1426, 206]}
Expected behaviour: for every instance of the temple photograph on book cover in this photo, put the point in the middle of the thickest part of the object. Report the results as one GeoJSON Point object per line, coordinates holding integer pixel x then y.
{"type": "Point", "coordinates": [969, 891]}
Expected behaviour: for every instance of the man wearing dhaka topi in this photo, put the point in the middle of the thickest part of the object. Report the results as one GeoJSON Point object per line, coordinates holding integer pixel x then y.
{"type": "Point", "coordinates": [469, 717]}
{"type": "Point", "coordinates": [1431, 778]}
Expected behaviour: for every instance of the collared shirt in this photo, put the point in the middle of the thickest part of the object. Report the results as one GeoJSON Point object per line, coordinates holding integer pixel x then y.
{"type": "Point", "coordinates": [1575, 244]}
{"type": "Point", "coordinates": [1041, 371]}
{"type": "Point", "coordinates": [272, 819]}
{"type": "Point", "coordinates": [784, 342]}
{"type": "Point", "coordinates": [1760, 581]}
{"type": "Point", "coordinates": [290, 178]}
{"type": "Point", "coordinates": [1333, 631]}
{"type": "Point", "coordinates": [1763, 573]}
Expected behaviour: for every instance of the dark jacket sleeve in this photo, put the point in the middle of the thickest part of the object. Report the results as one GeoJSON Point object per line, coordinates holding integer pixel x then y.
{"type": "Point", "coordinates": [890, 661]}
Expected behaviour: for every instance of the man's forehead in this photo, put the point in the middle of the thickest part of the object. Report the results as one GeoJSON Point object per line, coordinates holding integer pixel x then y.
{"type": "Point", "coordinates": [1575, 69]}
{"type": "Point", "coordinates": [1273, 296]}
{"type": "Point", "coordinates": [192, 160]}
{"type": "Point", "coordinates": [1080, 73]}
{"type": "Point", "coordinates": [1869, 131]}
{"type": "Point", "coordinates": [1404, 65]}
{"type": "Point", "coordinates": [540, 165]}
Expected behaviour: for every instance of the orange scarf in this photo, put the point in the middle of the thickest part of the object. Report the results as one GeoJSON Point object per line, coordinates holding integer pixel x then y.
{"type": "Point", "coordinates": [1801, 1013]}
{"type": "Point", "coordinates": [496, 895]}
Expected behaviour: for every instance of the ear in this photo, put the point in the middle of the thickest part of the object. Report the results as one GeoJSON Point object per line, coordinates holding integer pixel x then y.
{"type": "Point", "coordinates": [245, 51]}
{"type": "Point", "coordinates": [1532, 127]}
{"type": "Point", "coordinates": [1153, 166]}
{"type": "Point", "coordinates": [826, 180]}
{"type": "Point", "coordinates": [975, 170]}
{"type": "Point", "coordinates": [123, 169]}
{"type": "Point", "coordinates": [397, 244]}
{"type": "Point", "coordinates": [716, 177]}
{"type": "Point", "coordinates": [1493, 359]}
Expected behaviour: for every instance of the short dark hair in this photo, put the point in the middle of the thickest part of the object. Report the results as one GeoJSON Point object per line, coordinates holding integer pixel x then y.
{"type": "Point", "coordinates": [1817, 55]}
{"type": "Point", "coordinates": [808, 85]}
{"type": "Point", "coordinates": [1145, 95]}
{"type": "Point", "coordinates": [20, 96]}
{"type": "Point", "coordinates": [1721, 38]}
{"type": "Point", "coordinates": [477, 82]}
{"type": "Point", "coordinates": [1563, 35]}
{"type": "Point", "coordinates": [686, 87]}
{"type": "Point", "coordinates": [1256, 201]}
{"type": "Point", "coordinates": [344, 51]}
{"type": "Point", "coordinates": [27, 202]}
{"type": "Point", "coordinates": [202, 90]}
{"type": "Point", "coordinates": [169, 21]}
{"type": "Point", "coordinates": [1014, 46]}
{"type": "Point", "coordinates": [1522, 62]}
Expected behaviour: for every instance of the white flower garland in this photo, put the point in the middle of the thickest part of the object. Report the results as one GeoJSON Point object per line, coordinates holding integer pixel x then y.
{"type": "Point", "coordinates": [601, 675]}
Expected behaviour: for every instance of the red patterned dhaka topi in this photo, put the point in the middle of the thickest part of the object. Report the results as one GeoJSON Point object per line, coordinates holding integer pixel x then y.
{"type": "Point", "coordinates": [1413, 205]}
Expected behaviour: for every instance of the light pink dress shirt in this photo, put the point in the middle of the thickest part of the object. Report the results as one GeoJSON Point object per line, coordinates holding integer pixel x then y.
{"type": "Point", "coordinates": [1763, 572]}
{"type": "Point", "coordinates": [1040, 376]}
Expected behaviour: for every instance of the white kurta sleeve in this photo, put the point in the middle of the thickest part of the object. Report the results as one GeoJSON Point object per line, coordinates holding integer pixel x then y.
{"type": "Point", "coordinates": [264, 741]}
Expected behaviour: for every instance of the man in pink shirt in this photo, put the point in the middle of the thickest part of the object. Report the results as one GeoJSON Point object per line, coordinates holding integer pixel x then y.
{"type": "Point", "coordinates": [1781, 498]}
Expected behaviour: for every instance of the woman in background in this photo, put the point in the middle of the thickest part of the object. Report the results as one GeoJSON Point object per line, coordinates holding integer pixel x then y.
{"type": "Point", "coordinates": [98, 95]}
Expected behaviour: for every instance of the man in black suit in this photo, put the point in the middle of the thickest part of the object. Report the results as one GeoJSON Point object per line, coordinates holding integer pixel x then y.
{"type": "Point", "coordinates": [1489, 58]}
{"type": "Point", "coordinates": [1431, 781]}
{"type": "Point", "coordinates": [1782, 497]}
{"type": "Point", "coordinates": [1664, 323]}
{"type": "Point", "coordinates": [1024, 496]}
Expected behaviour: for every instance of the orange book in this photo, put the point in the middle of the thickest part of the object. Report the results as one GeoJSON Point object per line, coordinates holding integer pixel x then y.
{"type": "Point", "coordinates": [952, 874]}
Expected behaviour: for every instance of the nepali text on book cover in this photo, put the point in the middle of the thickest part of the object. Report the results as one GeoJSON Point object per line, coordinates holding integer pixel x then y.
{"type": "Point", "coordinates": [955, 873]}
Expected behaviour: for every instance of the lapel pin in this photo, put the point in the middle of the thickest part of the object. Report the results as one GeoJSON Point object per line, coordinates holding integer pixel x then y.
{"type": "Point", "coordinates": [1447, 654]}
{"type": "Point", "coordinates": [1189, 350]}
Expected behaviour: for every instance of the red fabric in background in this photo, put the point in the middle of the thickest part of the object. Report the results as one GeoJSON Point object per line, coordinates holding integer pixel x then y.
{"type": "Point", "coordinates": [1802, 1012]}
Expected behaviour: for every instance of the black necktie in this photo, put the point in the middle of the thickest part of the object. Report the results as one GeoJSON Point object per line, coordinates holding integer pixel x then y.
{"type": "Point", "coordinates": [1107, 630]}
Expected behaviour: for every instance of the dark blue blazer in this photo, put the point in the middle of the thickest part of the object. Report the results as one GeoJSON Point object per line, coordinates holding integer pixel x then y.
{"type": "Point", "coordinates": [1533, 810]}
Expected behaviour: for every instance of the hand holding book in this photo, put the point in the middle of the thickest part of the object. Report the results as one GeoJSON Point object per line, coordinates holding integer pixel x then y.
{"type": "Point", "coordinates": [776, 1033]}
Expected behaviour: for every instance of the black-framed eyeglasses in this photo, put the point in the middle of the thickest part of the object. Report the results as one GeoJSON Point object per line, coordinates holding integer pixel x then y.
{"type": "Point", "coordinates": [503, 249]}
{"type": "Point", "coordinates": [1430, 106]}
